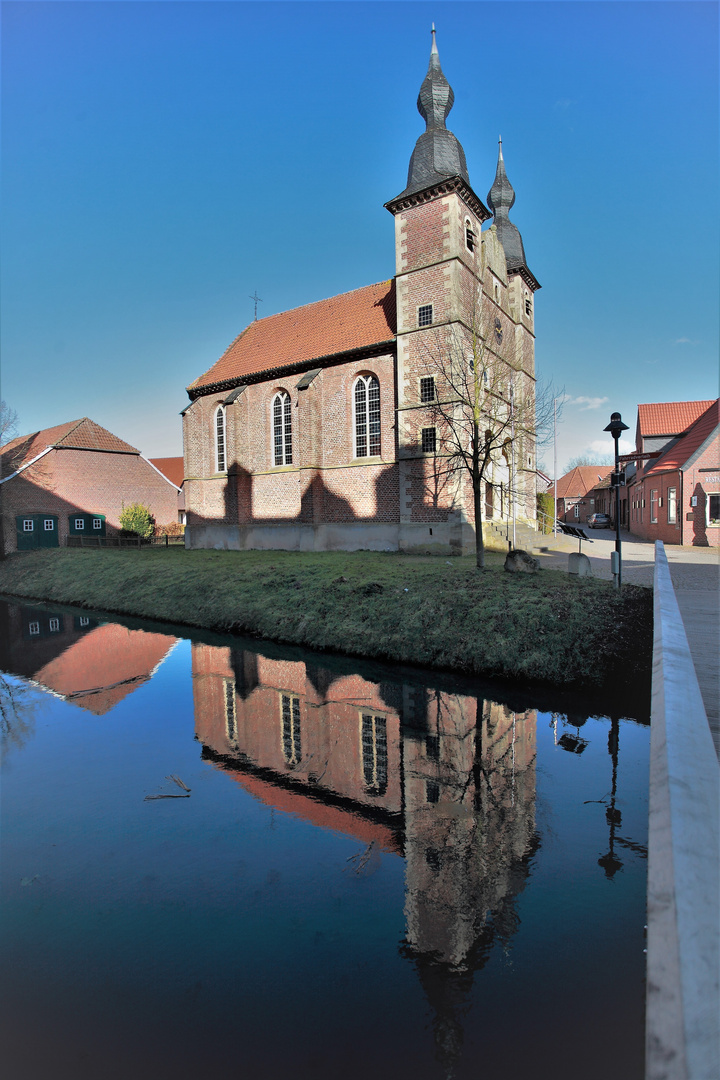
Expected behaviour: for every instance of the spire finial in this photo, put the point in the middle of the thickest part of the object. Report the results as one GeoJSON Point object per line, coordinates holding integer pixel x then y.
{"type": "Point", "coordinates": [437, 153]}
{"type": "Point", "coordinates": [500, 200]}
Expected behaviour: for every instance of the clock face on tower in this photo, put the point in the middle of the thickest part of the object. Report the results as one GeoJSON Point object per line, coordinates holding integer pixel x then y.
{"type": "Point", "coordinates": [498, 331]}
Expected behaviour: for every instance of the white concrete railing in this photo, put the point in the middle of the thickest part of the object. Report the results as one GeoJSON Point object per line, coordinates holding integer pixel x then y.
{"type": "Point", "coordinates": [683, 956]}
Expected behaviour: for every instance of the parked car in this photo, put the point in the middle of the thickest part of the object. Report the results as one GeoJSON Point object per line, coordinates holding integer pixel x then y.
{"type": "Point", "coordinates": [600, 521]}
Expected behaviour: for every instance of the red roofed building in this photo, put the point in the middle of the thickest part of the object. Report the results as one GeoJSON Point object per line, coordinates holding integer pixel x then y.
{"type": "Point", "coordinates": [72, 480]}
{"type": "Point", "coordinates": [315, 430]}
{"type": "Point", "coordinates": [676, 497]}
{"type": "Point", "coordinates": [576, 499]}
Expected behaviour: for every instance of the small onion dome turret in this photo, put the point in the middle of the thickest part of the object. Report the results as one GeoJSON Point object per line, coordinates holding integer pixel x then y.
{"type": "Point", "coordinates": [500, 199]}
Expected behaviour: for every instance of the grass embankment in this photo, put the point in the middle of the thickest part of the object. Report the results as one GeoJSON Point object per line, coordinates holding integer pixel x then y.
{"type": "Point", "coordinates": [547, 627]}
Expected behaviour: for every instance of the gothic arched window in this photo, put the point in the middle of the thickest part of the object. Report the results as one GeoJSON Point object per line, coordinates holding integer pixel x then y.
{"type": "Point", "coordinates": [366, 408]}
{"type": "Point", "coordinates": [220, 456]}
{"type": "Point", "coordinates": [282, 428]}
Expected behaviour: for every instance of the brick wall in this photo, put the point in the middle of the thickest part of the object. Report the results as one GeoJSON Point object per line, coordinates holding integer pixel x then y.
{"type": "Point", "coordinates": [697, 482]}
{"type": "Point", "coordinates": [325, 483]}
{"type": "Point", "coordinates": [67, 480]}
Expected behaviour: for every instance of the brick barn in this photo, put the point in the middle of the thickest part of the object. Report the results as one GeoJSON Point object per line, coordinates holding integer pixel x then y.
{"type": "Point", "coordinates": [315, 430]}
{"type": "Point", "coordinates": [72, 480]}
{"type": "Point", "coordinates": [676, 497]}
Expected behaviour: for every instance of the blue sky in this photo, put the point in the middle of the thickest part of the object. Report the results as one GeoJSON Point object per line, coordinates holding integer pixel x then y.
{"type": "Point", "coordinates": [162, 161]}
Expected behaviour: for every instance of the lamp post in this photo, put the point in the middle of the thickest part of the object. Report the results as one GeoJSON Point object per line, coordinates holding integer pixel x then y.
{"type": "Point", "coordinates": [616, 427]}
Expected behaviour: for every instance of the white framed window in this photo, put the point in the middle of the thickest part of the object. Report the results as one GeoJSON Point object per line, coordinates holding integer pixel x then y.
{"type": "Point", "coordinates": [97, 523]}
{"type": "Point", "coordinates": [34, 629]}
{"type": "Point", "coordinates": [428, 440]}
{"type": "Point", "coordinates": [366, 408]}
{"type": "Point", "coordinates": [54, 626]}
{"type": "Point", "coordinates": [49, 524]}
{"type": "Point", "coordinates": [653, 505]}
{"type": "Point", "coordinates": [427, 388]}
{"type": "Point", "coordinates": [576, 510]}
{"type": "Point", "coordinates": [713, 508]}
{"type": "Point", "coordinates": [282, 428]}
{"type": "Point", "coordinates": [425, 315]}
{"type": "Point", "coordinates": [28, 524]}
{"type": "Point", "coordinates": [84, 620]}
{"type": "Point", "coordinates": [469, 235]}
{"type": "Point", "coordinates": [290, 729]}
{"type": "Point", "coordinates": [220, 456]}
{"type": "Point", "coordinates": [79, 524]}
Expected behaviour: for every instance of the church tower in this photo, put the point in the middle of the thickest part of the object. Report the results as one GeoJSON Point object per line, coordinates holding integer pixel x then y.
{"type": "Point", "coordinates": [453, 282]}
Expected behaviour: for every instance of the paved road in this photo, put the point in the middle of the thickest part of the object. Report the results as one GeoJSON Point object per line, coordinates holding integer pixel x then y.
{"type": "Point", "coordinates": [695, 574]}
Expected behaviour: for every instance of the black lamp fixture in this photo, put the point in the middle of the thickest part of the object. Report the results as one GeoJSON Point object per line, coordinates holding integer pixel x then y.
{"type": "Point", "coordinates": [616, 428]}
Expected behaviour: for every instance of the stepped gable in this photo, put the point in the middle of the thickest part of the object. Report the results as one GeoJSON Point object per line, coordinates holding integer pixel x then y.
{"type": "Point", "coordinates": [351, 321]}
{"type": "Point", "coordinates": [680, 453]}
{"type": "Point", "coordinates": [669, 417]}
{"type": "Point", "coordinates": [82, 434]}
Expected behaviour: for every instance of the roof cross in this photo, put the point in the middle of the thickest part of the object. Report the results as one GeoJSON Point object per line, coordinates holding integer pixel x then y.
{"type": "Point", "coordinates": [255, 297]}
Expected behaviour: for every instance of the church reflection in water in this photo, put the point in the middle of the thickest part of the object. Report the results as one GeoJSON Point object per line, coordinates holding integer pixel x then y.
{"type": "Point", "coordinates": [447, 780]}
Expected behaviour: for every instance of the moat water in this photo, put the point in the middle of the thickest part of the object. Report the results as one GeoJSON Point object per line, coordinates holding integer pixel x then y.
{"type": "Point", "coordinates": [362, 872]}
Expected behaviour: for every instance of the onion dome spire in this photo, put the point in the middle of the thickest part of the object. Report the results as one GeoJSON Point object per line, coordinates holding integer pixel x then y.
{"type": "Point", "coordinates": [500, 199]}
{"type": "Point", "coordinates": [437, 154]}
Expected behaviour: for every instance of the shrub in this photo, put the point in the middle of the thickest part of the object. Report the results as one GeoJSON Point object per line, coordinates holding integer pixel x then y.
{"type": "Point", "coordinates": [136, 520]}
{"type": "Point", "coordinates": [545, 505]}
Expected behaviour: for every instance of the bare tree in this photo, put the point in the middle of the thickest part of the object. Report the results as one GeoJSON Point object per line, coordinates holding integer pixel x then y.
{"type": "Point", "coordinates": [8, 423]}
{"type": "Point", "coordinates": [588, 459]}
{"type": "Point", "coordinates": [487, 409]}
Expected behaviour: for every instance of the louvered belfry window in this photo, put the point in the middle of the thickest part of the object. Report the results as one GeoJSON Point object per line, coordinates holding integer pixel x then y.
{"type": "Point", "coordinates": [282, 428]}
{"type": "Point", "coordinates": [367, 416]}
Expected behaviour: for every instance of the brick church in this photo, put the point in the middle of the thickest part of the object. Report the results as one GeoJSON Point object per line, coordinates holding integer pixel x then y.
{"type": "Point", "coordinates": [326, 427]}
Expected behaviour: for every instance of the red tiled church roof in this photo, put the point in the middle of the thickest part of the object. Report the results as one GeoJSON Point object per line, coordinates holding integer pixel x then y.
{"type": "Point", "coordinates": [693, 439]}
{"type": "Point", "coordinates": [82, 434]}
{"type": "Point", "coordinates": [353, 320]}
{"type": "Point", "coordinates": [669, 417]}
{"type": "Point", "coordinates": [580, 480]}
{"type": "Point", "coordinates": [171, 467]}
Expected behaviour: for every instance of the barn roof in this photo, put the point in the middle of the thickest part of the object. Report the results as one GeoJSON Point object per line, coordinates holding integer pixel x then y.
{"type": "Point", "coordinates": [172, 468]}
{"type": "Point", "coordinates": [82, 434]}
{"type": "Point", "coordinates": [351, 321]}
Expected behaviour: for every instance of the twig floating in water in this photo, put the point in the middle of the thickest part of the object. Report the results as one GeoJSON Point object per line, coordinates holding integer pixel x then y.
{"type": "Point", "coordinates": [176, 780]}
{"type": "Point", "coordinates": [166, 797]}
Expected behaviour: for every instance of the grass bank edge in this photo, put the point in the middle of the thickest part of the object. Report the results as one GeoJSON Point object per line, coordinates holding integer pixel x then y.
{"type": "Point", "coordinates": [440, 613]}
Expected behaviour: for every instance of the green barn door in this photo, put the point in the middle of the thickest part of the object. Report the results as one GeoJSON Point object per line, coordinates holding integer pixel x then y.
{"type": "Point", "coordinates": [47, 531]}
{"type": "Point", "coordinates": [26, 532]}
{"type": "Point", "coordinates": [37, 531]}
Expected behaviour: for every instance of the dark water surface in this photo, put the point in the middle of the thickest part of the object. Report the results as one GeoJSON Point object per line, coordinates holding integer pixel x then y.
{"type": "Point", "coordinates": [375, 874]}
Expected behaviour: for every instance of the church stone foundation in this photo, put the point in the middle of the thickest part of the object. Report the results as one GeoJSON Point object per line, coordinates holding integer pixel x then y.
{"type": "Point", "coordinates": [440, 538]}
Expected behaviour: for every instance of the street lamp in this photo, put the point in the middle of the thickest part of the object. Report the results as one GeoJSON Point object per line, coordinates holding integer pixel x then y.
{"type": "Point", "coordinates": [616, 427]}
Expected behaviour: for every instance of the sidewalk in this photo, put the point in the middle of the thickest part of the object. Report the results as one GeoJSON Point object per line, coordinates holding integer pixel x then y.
{"type": "Point", "coordinates": [695, 574]}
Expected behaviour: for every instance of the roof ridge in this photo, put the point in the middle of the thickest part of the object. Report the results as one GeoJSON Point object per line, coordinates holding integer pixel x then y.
{"type": "Point", "coordinates": [75, 425]}
{"type": "Point", "coordinates": [312, 303]}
